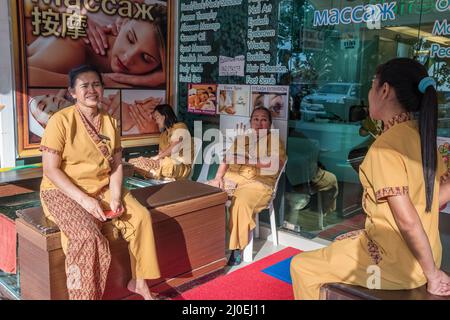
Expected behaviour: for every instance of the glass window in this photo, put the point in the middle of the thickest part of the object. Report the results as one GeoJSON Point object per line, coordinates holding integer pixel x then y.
{"type": "Point", "coordinates": [336, 46]}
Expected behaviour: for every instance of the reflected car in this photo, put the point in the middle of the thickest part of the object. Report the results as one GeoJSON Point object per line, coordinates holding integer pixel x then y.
{"type": "Point", "coordinates": [333, 100]}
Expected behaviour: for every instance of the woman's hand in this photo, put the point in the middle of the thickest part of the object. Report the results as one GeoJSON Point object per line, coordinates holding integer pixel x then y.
{"type": "Point", "coordinates": [438, 283]}
{"type": "Point", "coordinates": [111, 104]}
{"type": "Point", "coordinates": [96, 37]}
{"type": "Point", "coordinates": [116, 206]}
{"type": "Point", "coordinates": [152, 79]}
{"type": "Point", "coordinates": [92, 206]}
{"type": "Point", "coordinates": [155, 158]}
{"type": "Point", "coordinates": [108, 81]}
{"type": "Point", "coordinates": [217, 182]}
{"type": "Point", "coordinates": [143, 119]}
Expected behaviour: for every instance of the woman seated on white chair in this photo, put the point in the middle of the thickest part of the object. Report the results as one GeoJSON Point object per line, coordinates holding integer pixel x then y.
{"type": "Point", "coordinates": [175, 147]}
{"type": "Point", "coordinates": [253, 175]}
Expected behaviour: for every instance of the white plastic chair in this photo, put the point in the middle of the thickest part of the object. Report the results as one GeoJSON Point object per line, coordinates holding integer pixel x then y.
{"type": "Point", "coordinates": [210, 152]}
{"type": "Point", "coordinates": [197, 153]}
{"type": "Point", "coordinates": [248, 251]}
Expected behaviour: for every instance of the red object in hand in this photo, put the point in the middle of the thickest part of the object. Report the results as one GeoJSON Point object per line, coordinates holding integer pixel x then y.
{"type": "Point", "coordinates": [111, 214]}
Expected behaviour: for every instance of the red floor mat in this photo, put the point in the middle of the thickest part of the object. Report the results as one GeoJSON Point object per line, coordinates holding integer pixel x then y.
{"type": "Point", "coordinates": [247, 283]}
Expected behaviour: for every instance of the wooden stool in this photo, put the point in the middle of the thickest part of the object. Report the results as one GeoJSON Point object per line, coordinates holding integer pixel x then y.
{"type": "Point", "coordinates": [188, 223]}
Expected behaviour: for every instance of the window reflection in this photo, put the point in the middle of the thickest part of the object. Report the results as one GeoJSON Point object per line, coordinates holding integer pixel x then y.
{"type": "Point", "coordinates": [330, 73]}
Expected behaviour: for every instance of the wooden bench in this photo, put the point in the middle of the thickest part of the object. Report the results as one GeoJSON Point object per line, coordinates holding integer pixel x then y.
{"type": "Point", "coordinates": [189, 226]}
{"type": "Point", "coordinates": [339, 291]}
{"type": "Point", "coordinates": [29, 179]}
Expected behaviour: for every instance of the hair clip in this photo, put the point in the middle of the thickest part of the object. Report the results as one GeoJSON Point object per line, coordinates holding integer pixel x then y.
{"type": "Point", "coordinates": [425, 83]}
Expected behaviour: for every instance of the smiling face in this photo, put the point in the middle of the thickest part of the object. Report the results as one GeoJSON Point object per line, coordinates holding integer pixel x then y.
{"type": "Point", "coordinates": [88, 90]}
{"type": "Point", "coordinates": [260, 121]}
{"type": "Point", "coordinates": [137, 48]}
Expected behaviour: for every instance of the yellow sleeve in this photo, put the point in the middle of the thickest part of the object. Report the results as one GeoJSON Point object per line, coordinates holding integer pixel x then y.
{"type": "Point", "coordinates": [388, 173]}
{"type": "Point", "coordinates": [176, 137]}
{"type": "Point", "coordinates": [54, 137]}
{"type": "Point", "coordinates": [117, 147]}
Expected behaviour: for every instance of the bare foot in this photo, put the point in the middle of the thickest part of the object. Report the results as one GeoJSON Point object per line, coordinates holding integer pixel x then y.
{"type": "Point", "coordinates": [140, 287]}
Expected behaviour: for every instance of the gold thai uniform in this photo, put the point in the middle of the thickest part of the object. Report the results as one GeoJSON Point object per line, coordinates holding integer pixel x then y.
{"type": "Point", "coordinates": [392, 166]}
{"type": "Point", "coordinates": [254, 187]}
{"type": "Point", "coordinates": [176, 166]}
{"type": "Point", "coordinates": [86, 159]}
{"type": "Point", "coordinates": [179, 166]}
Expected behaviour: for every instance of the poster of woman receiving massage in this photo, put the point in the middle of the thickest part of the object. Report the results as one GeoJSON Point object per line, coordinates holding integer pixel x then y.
{"type": "Point", "coordinates": [126, 41]}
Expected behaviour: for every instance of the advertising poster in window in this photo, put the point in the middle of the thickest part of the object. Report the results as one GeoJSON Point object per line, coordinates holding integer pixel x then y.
{"type": "Point", "coordinates": [233, 100]}
{"type": "Point", "coordinates": [202, 98]}
{"type": "Point", "coordinates": [274, 98]}
{"type": "Point", "coordinates": [126, 41]}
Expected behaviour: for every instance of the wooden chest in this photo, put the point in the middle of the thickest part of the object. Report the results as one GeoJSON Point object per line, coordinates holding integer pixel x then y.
{"type": "Point", "coordinates": [189, 226]}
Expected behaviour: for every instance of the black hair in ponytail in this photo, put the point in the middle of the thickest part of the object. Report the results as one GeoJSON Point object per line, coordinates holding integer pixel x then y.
{"type": "Point", "coordinates": [404, 75]}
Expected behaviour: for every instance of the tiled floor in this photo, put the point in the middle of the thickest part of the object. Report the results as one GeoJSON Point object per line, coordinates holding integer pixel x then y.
{"type": "Point", "coordinates": [261, 249]}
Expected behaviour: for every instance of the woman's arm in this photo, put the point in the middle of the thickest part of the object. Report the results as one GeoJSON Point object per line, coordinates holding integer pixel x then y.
{"type": "Point", "coordinates": [444, 192]}
{"type": "Point", "coordinates": [168, 151]}
{"type": "Point", "coordinates": [218, 180]}
{"type": "Point", "coordinates": [51, 167]}
{"type": "Point", "coordinates": [411, 228]}
{"type": "Point", "coordinates": [153, 79]}
{"type": "Point", "coordinates": [115, 183]}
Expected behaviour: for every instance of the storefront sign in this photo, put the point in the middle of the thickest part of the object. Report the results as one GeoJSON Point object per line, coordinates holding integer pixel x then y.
{"type": "Point", "coordinates": [198, 24]}
{"type": "Point", "coordinates": [260, 36]}
{"type": "Point", "coordinates": [53, 40]}
{"type": "Point", "coordinates": [443, 5]}
{"type": "Point", "coordinates": [439, 51]}
{"type": "Point", "coordinates": [348, 44]}
{"type": "Point", "coordinates": [441, 28]}
{"type": "Point", "coordinates": [359, 14]}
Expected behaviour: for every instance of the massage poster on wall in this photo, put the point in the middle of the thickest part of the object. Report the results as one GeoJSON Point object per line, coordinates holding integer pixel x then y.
{"type": "Point", "coordinates": [443, 145]}
{"type": "Point", "coordinates": [233, 100]}
{"type": "Point", "coordinates": [130, 50]}
{"type": "Point", "coordinates": [202, 98]}
{"type": "Point", "coordinates": [274, 98]}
